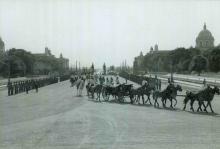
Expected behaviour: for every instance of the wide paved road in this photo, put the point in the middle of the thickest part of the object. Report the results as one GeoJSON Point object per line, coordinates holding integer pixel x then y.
{"type": "Point", "coordinates": [55, 118]}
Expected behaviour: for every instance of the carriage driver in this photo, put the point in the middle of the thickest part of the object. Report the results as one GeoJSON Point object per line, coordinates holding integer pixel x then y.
{"type": "Point", "coordinates": [107, 81]}
{"type": "Point", "coordinates": [111, 81]}
{"type": "Point", "coordinates": [117, 80]}
{"type": "Point", "coordinates": [144, 82]}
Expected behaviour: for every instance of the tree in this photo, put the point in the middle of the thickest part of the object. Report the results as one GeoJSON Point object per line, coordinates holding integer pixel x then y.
{"type": "Point", "coordinates": [104, 69]}
{"type": "Point", "coordinates": [18, 62]}
{"type": "Point", "coordinates": [198, 64]}
{"type": "Point", "coordinates": [214, 59]}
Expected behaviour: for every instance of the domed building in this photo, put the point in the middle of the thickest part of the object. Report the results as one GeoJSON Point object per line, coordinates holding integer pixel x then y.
{"type": "Point", "coordinates": [205, 40]}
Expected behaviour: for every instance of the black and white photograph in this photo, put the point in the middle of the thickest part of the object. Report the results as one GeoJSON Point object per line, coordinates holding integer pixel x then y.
{"type": "Point", "coordinates": [109, 74]}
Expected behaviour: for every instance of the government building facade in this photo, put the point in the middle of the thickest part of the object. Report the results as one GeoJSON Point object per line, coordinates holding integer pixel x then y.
{"type": "Point", "coordinates": [42, 61]}
{"type": "Point", "coordinates": [204, 41]}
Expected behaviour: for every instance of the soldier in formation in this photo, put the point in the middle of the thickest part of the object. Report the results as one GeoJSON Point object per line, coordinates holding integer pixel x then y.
{"type": "Point", "coordinates": [27, 85]}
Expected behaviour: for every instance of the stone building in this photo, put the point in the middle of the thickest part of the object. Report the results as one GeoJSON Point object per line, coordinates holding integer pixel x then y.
{"type": "Point", "coordinates": [154, 53]}
{"type": "Point", "coordinates": [64, 62]}
{"type": "Point", "coordinates": [204, 40]}
{"type": "Point", "coordinates": [137, 64]}
{"type": "Point", "coordinates": [46, 62]}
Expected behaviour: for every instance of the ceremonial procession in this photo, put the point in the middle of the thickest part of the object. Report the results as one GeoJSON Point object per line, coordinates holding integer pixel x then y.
{"type": "Point", "coordinates": [99, 86]}
{"type": "Point", "coordinates": [135, 74]}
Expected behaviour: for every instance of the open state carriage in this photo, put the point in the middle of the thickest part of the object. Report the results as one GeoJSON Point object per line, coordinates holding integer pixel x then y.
{"type": "Point", "coordinates": [118, 92]}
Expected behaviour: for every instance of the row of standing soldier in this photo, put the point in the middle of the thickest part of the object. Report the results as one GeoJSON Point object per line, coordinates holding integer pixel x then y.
{"type": "Point", "coordinates": [26, 85]}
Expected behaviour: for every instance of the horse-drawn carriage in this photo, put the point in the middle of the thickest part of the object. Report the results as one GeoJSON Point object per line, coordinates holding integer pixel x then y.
{"type": "Point", "coordinates": [170, 93]}
{"type": "Point", "coordinates": [119, 91]}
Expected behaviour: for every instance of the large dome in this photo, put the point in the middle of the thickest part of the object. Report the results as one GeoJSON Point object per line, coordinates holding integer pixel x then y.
{"type": "Point", "coordinates": [205, 34]}
{"type": "Point", "coordinates": [205, 40]}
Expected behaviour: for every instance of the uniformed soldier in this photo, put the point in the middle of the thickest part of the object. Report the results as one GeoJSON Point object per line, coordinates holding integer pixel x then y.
{"type": "Point", "coordinates": [36, 86]}
{"type": "Point", "coordinates": [26, 86]}
{"type": "Point", "coordinates": [23, 86]}
{"type": "Point", "coordinates": [16, 87]}
{"type": "Point", "coordinates": [12, 89]}
{"type": "Point", "coordinates": [170, 87]}
{"type": "Point", "coordinates": [9, 88]}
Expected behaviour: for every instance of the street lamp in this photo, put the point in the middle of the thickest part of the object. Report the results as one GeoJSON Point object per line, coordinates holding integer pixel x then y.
{"type": "Point", "coordinates": [171, 76]}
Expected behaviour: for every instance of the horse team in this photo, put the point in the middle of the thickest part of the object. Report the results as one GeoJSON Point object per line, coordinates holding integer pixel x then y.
{"type": "Point", "coordinates": [118, 92]}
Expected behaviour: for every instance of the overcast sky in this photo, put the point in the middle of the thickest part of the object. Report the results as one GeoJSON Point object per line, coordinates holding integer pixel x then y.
{"type": "Point", "coordinates": [105, 30]}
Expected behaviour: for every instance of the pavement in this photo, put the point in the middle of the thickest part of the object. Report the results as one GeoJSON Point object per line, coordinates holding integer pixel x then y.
{"type": "Point", "coordinates": [55, 118]}
{"type": "Point", "coordinates": [198, 80]}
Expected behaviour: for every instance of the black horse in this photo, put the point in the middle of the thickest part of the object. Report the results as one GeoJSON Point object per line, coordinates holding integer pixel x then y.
{"type": "Point", "coordinates": [148, 91]}
{"type": "Point", "coordinates": [201, 96]}
{"type": "Point", "coordinates": [141, 91]}
{"type": "Point", "coordinates": [159, 94]}
{"type": "Point", "coordinates": [98, 91]}
{"type": "Point", "coordinates": [173, 93]}
{"type": "Point", "coordinates": [169, 93]}
{"type": "Point", "coordinates": [137, 93]}
{"type": "Point", "coordinates": [90, 90]}
{"type": "Point", "coordinates": [108, 91]}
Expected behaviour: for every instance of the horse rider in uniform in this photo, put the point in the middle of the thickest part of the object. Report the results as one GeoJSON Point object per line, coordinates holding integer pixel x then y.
{"type": "Point", "coordinates": [111, 81]}
{"type": "Point", "coordinates": [107, 81]}
{"type": "Point", "coordinates": [144, 82]}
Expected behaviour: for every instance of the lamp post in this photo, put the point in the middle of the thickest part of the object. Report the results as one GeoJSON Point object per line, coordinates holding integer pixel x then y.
{"type": "Point", "coordinates": [171, 76]}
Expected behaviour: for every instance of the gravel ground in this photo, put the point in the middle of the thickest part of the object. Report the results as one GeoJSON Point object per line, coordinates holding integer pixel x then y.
{"type": "Point", "coordinates": [55, 118]}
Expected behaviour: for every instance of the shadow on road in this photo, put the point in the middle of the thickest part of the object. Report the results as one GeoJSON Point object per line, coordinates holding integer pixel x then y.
{"type": "Point", "coordinates": [115, 101]}
{"type": "Point", "coordinates": [169, 109]}
{"type": "Point", "coordinates": [204, 113]}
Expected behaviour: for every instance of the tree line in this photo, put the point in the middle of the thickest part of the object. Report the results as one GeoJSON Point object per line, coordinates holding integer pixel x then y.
{"type": "Point", "coordinates": [180, 60]}
{"type": "Point", "coordinates": [19, 62]}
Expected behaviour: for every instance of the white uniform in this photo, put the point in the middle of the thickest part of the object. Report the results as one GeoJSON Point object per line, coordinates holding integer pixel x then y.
{"type": "Point", "coordinates": [144, 82]}
{"type": "Point", "coordinates": [91, 81]}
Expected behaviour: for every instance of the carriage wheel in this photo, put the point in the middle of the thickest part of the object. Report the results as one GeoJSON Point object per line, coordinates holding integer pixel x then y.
{"type": "Point", "coordinates": [120, 97]}
{"type": "Point", "coordinates": [105, 96]}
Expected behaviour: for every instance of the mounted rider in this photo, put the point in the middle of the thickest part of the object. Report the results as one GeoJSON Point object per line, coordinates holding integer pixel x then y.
{"type": "Point", "coordinates": [170, 86]}
{"type": "Point", "coordinates": [107, 81]}
{"type": "Point", "coordinates": [91, 81]}
{"type": "Point", "coordinates": [111, 81]}
{"type": "Point", "coordinates": [144, 82]}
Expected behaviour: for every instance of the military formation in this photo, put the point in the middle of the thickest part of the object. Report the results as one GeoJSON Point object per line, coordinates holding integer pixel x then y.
{"type": "Point", "coordinates": [17, 87]}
